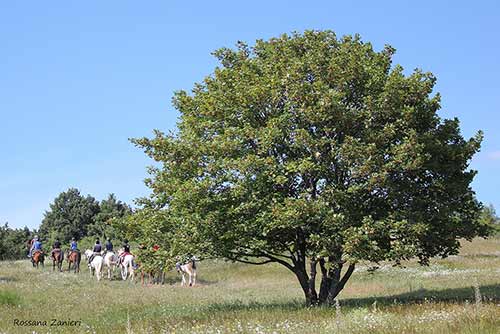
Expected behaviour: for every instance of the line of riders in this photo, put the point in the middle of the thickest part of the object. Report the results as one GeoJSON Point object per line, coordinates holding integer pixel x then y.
{"type": "Point", "coordinates": [125, 259]}
{"type": "Point", "coordinates": [35, 249]}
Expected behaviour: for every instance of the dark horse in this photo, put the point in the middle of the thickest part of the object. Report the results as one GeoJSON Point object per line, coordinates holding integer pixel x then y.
{"type": "Point", "coordinates": [57, 258]}
{"type": "Point", "coordinates": [38, 257]}
{"type": "Point", "coordinates": [74, 257]}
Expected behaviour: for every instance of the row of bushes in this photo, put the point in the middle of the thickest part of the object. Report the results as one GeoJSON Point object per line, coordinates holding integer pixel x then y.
{"type": "Point", "coordinates": [13, 242]}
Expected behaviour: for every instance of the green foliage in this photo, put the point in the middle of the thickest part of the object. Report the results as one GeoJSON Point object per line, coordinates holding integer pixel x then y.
{"type": "Point", "coordinates": [13, 242]}
{"type": "Point", "coordinates": [310, 146]}
{"type": "Point", "coordinates": [84, 218]}
{"type": "Point", "coordinates": [69, 216]}
{"type": "Point", "coordinates": [490, 218]}
{"type": "Point", "coordinates": [112, 212]}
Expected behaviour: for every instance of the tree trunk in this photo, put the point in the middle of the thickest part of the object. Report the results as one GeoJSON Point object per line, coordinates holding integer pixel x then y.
{"type": "Point", "coordinates": [312, 281]}
{"type": "Point", "coordinates": [311, 298]}
{"type": "Point", "coordinates": [335, 289]}
{"type": "Point", "coordinates": [326, 281]}
{"type": "Point", "coordinates": [331, 281]}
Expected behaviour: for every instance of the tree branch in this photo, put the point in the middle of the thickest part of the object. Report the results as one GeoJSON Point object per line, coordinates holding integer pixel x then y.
{"type": "Point", "coordinates": [249, 262]}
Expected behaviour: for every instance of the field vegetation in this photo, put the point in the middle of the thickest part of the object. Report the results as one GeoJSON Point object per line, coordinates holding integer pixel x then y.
{"type": "Point", "coordinates": [460, 294]}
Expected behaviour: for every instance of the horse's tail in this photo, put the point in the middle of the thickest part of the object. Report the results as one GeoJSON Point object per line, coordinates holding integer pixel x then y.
{"type": "Point", "coordinates": [193, 261]}
{"type": "Point", "coordinates": [98, 269]}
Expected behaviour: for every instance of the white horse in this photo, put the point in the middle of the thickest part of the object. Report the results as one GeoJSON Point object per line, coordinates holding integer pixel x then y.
{"type": "Point", "coordinates": [188, 268]}
{"type": "Point", "coordinates": [111, 261]}
{"type": "Point", "coordinates": [126, 265]}
{"type": "Point", "coordinates": [95, 265]}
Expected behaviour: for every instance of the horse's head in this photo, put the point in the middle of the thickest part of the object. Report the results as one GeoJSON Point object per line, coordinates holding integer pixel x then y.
{"type": "Point", "coordinates": [88, 253]}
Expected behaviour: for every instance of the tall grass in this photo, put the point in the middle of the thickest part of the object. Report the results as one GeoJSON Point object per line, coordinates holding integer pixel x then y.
{"type": "Point", "coordinates": [9, 298]}
{"type": "Point", "coordinates": [460, 294]}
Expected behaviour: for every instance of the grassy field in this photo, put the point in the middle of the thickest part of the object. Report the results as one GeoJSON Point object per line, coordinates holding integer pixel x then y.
{"type": "Point", "coordinates": [460, 294]}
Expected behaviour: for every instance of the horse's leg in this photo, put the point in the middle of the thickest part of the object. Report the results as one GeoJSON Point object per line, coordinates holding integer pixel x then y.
{"type": "Point", "coordinates": [194, 277]}
{"type": "Point", "coordinates": [183, 282]}
{"type": "Point", "coordinates": [99, 271]}
{"type": "Point", "coordinates": [131, 272]}
{"type": "Point", "coordinates": [124, 272]}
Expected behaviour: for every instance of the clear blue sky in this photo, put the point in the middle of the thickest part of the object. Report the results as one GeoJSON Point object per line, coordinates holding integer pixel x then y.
{"type": "Point", "coordinates": [77, 78]}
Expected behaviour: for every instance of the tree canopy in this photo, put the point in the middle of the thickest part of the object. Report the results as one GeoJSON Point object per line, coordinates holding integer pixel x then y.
{"type": "Point", "coordinates": [310, 150]}
{"type": "Point", "coordinates": [74, 215]}
{"type": "Point", "coordinates": [111, 212]}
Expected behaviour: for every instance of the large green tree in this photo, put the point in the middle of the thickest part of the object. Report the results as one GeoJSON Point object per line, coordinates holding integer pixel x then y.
{"type": "Point", "coordinates": [111, 212]}
{"type": "Point", "coordinates": [311, 151]}
{"type": "Point", "coordinates": [69, 216]}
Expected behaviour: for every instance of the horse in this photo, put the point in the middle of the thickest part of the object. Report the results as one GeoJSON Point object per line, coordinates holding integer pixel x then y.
{"type": "Point", "coordinates": [38, 257]}
{"type": "Point", "coordinates": [95, 265]}
{"type": "Point", "coordinates": [188, 268]}
{"type": "Point", "coordinates": [74, 257]}
{"type": "Point", "coordinates": [153, 276]}
{"type": "Point", "coordinates": [110, 260]}
{"type": "Point", "coordinates": [126, 265]}
{"type": "Point", "coordinates": [57, 258]}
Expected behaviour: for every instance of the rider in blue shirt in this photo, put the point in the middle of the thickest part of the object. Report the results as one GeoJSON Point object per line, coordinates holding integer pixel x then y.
{"type": "Point", "coordinates": [37, 246]}
{"type": "Point", "coordinates": [73, 245]}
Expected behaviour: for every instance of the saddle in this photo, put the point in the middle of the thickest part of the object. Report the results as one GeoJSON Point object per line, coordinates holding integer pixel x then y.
{"type": "Point", "coordinates": [56, 250]}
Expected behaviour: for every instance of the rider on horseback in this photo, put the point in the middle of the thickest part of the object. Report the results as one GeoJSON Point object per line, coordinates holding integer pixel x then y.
{"type": "Point", "coordinates": [97, 250]}
{"type": "Point", "coordinates": [57, 247]}
{"type": "Point", "coordinates": [73, 245]}
{"type": "Point", "coordinates": [126, 251]}
{"type": "Point", "coordinates": [32, 245]}
{"type": "Point", "coordinates": [108, 245]}
{"type": "Point", "coordinates": [37, 246]}
{"type": "Point", "coordinates": [126, 246]}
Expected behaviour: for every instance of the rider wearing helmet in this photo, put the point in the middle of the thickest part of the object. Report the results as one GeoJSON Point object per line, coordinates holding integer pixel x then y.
{"type": "Point", "coordinates": [126, 246]}
{"type": "Point", "coordinates": [126, 251]}
{"type": "Point", "coordinates": [109, 245]}
{"type": "Point", "coordinates": [37, 245]}
{"type": "Point", "coordinates": [56, 246]}
{"type": "Point", "coordinates": [96, 251]}
{"type": "Point", "coordinates": [73, 245]}
{"type": "Point", "coordinates": [32, 245]}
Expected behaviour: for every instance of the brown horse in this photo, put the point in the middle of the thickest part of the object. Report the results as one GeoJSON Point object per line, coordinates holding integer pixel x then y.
{"type": "Point", "coordinates": [57, 259]}
{"type": "Point", "coordinates": [153, 276]}
{"type": "Point", "coordinates": [74, 257]}
{"type": "Point", "coordinates": [38, 257]}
